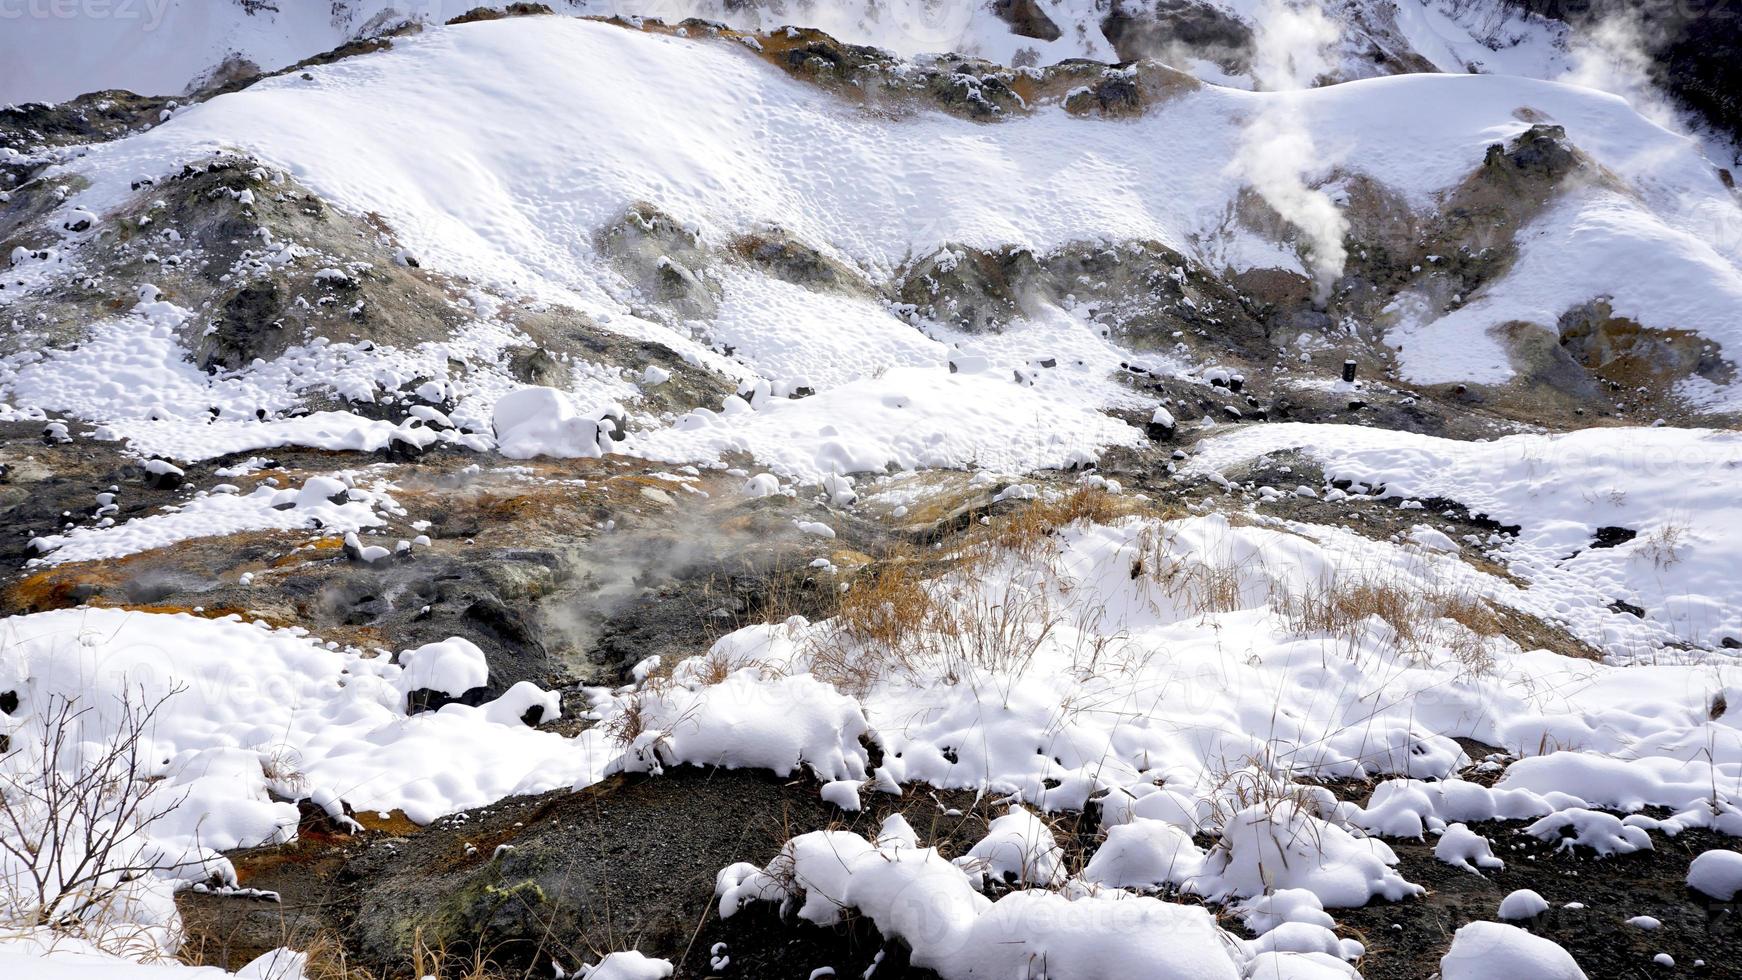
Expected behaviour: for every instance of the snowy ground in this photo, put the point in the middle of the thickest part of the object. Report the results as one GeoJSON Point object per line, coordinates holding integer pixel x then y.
{"type": "Point", "coordinates": [1167, 645]}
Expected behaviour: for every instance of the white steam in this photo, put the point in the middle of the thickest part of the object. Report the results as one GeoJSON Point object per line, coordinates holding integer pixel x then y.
{"type": "Point", "coordinates": [1614, 56]}
{"type": "Point", "coordinates": [1276, 150]}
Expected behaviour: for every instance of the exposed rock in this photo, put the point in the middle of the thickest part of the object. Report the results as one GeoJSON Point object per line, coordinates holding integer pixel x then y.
{"type": "Point", "coordinates": [477, 14]}
{"type": "Point", "coordinates": [1168, 30]}
{"type": "Point", "coordinates": [973, 289]}
{"type": "Point", "coordinates": [536, 366]}
{"type": "Point", "coordinates": [1026, 19]}
{"type": "Point", "coordinates": [250, 325]}
{"type": "Point", "coordinates": [93, 118]}
{"type": "Point", "coordinates": [1145, 294]}
{"type": "Point", "coordinates": [775, 252]}
{"type": "Point", "coordinates": [971, 88]}
{"type": "Point", "coordinates": [1620, 350]}
{"type": "Point", "coordinates": [664, 260]}
{"type": "Point", "coordinates": [555, 877]}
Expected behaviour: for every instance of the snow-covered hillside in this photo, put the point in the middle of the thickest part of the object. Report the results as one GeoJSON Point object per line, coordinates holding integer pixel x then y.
{"type": "Point", "coordinates": [172, 47]}
{"type": "Point", "coordinates": [550, 493]}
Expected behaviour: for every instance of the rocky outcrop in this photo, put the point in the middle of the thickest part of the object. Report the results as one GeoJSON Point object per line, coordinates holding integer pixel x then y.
{"type": "Point", "coordinates": [94, 118]}
{"type": "Point", "coordinates": [775, 252]}
{"type": "Point", "coordinates": [1027, 18]}
{"type": "Point", "coordinates": [664, 261]}
{"type": "Point", "coordinates": [1172, 29]}
{"type": "Point", "coordinates": [1621, 351]}
{"type": "Point", "coordinates": [1145, 294]}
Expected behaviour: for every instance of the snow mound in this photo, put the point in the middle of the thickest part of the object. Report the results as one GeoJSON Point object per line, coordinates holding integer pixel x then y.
{"type": "Point", "coordinates": [1717, 874]}
{"type": "Point", "coordinates": [452, 667]}
{"type": "Point", "coordinates": [628, 965]}
{"type": "Point", "coordinates": [1492, 951]}
{"type": "Point", "coordinates": [540, 421]}
{"type": "Point", "coordinates": [1522, 904]}
{"type": "Point", "coordinates": [917, 895]}
{"type": "Point", "coordinates": [1145, 854]}
{"type": "Point", "coordinates": [748, 721]}
{"type": "Point", "coordinates": [1462, 847]}
{"type": "Point", "coordinates": [1282, 847]}
{"type": "Point", "coordinates": [1018, 847]}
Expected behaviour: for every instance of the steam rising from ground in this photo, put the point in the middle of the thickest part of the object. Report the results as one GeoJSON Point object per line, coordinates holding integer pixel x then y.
{"type": "Point", "coordinates": [1614, 56]}
{"type": "Point", "coordinates": [1277, 151]}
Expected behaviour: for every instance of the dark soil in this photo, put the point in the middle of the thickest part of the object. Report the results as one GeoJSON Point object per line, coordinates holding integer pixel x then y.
{"type": "Point", "coordinates": [1407, 939]}
{"type": "Point", "coordinates": [629, 862]}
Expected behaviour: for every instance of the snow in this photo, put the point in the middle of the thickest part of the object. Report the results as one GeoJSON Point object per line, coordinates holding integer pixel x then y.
{"type": "Point", "coordinates": [782, 725]}
{"type": "Point", "coordinates": [628, 965]}
{"type": "Point", "coordinates": [1282, 847]}
{"type": "Point", "coordinates": [1462, 847]}
{"type": "Point", "coordinates": [742, 146]}
{"type": "Point", "coordinates": [1491, 951]}
{"type": "Point", "coordinates": [1716, 873]}
{"type": "Point", "coordinates": [20, 960]}
{"type": "Point", "coordinates": [212, 514]}
{"type": "Point", "coordinates": [1145, 854]}
{"type": "Point", "coordinates": [762, 485]}
{"type": "Point", "coordinates": [1601, 832]}
{"type": "Point", "coordinates": [1672, 486]}
{"type": "Point", "coordinates": [908, 418]}
{"type": "Point", "coordinates": [1019, 847]}
{"type": "Point", "coordinates": [538, 421]}
{"type": "Point", "coordinates": [776, 326]}
{"type": "Point", "coordinates": [1522, 904]}
{"type": "Point", "coordinates": [240, 694]}
{"type": "Point", "coordinates": [133, 374]}
{"type": "Point", "coordinates": [1588, 237]}
{"type": "Point", "coordinates": [729, 163]}
{"type": "Point", "coordinates": [167, 46]}
{"type": "Point", "coordinates": [843, 793]}
{"type": "Point", "coordinates": [452, 667]}
{"type": "Point", "coordinates": [914, 893]}
{"type": "Point", "coordinates": [1594, 735]}
{"type": "Point", "coordinates": [1160, 668]}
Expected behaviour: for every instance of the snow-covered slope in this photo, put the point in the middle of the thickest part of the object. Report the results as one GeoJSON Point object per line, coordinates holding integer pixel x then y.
{"type": "Point", "coordinates": [169, 47]}
{"type": "Point", "coordinates": [546, 127]}
{"type": "Point", "coordinates": [1290, 485]}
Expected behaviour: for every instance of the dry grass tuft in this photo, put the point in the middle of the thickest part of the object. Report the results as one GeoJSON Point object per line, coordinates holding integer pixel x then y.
{"type": "Point", "coordinates": [328, 960]}
{"type": "Point", "coordinates": [1663, 544]}
{"type": "Point", "coordinates": [1422, 621]}
{"type": "Point", "coordinates": [1028, 531]}
{"type": "Point", "coordinates": [282, 766]}
{"type": "Point", "coordinates": [629, 724]}
{"type": "Point", "coordinates": [878, 624]}
{"type": "Point", "coordinates": [950, 613]}
{"type": "Point", "coordinates": [1199, 586]}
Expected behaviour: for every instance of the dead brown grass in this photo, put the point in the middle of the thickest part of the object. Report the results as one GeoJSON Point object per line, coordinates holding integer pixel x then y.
{"type": "Point", "coordinates": [329, 960]}
{"type": "Point", "coordinates": [1663, 544]}
{"type": "Point", "coordinates": [1028, 531]}
{"type": "Point", "coordinates": [1418, 617]}
{"type": "Point", "coordinates": [943, 614]}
